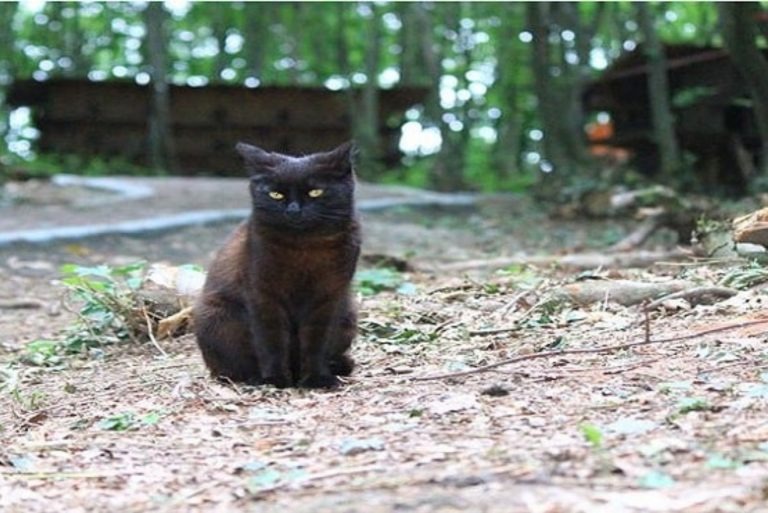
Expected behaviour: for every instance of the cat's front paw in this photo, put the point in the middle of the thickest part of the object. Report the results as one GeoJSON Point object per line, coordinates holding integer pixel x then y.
{"type": "Point", "coordinates": [342, 365]}
{"type": "Point", "coordinates": [319, 381]}
{"type": "Point", "coordinates": [277, 381]}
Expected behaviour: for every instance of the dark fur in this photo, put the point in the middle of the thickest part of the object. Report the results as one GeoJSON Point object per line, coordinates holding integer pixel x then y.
{"type": "Point", "coordinates": [276, 307]}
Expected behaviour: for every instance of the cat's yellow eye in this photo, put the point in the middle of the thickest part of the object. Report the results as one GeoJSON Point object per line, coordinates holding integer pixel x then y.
{"type": "Point", "coordinates": [315, 193]}
{"type": "Point", "coordinates": [276, 195]}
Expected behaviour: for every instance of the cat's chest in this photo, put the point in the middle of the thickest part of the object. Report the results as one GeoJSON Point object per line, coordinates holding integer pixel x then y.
{"type": "Point", "coordinates": [306, 269]}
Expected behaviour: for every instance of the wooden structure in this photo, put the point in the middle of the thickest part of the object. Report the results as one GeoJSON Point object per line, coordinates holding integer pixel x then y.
{"type": "Point", "coordinates": [712, 110]}
{"type": "Point", "coordinates": [110, 119]}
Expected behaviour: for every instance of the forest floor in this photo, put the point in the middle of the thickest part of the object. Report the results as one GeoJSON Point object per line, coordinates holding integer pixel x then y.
{"type": "Point", "coordinates": [666, 426]}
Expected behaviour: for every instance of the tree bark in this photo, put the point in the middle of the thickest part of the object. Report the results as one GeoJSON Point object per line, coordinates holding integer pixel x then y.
{"type": "Point", "coordinates": [411, 61]}
{"type": "Point", "coordinates": [577, 75]}
{"type": "Point", "coordinates": [506, 151]}
{"type": "Point", "coordinates": [256, 36]}
{"type": "Point", "coordinates": [658, 95]}
{"type": "Point", "coordinates": [219, 26]}
{"type": "Point", "coordinates": [740, 36]}
{"type": "Point", "coordinates": [367, 130]}
{"type": "Point", "coordinates": [161, 151]}
{"type": "Point", "coordinates": [538, 19]}
{"type": "Point", "coordinates": [447, 172]}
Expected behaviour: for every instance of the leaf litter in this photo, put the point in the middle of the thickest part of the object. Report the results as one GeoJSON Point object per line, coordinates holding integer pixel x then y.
{"type": "Point", "coordinates": [675, 426]}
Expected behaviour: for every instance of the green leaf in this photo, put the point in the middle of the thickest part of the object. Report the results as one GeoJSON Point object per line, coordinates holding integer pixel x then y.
{"type": "Point", "coordinates": [151, 418]}
{"type": "Point", "coordinates": [119, 422]}
{"type": "Point", "coordinates": [592, 434]}
{"type": "Point", "coordinates": [689, 404]}
{"type": "Point", "coordinates": [373, 281]}
{"type": "Point", "coordinates": [718, 461]}
{"type": "Point", "coordinates": [656, 479]}
{"type": "Point", "coordinates": [43, 352]}
{"type": "Point", "coordinates": [263, 480]}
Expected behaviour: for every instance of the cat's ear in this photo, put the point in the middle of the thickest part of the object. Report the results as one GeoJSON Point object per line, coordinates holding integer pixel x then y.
{"type": "Point", "coordinates": [341, 160]}
{"type": "Point", "coordinates": [255, 159]}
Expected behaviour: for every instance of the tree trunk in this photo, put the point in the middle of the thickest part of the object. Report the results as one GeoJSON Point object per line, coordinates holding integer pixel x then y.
{"type": "Point", "coordinates": [509, 126]}
{"type": "Point", "coordinates": [658, 95]}
{"type": "Point", "coordinates": [548, 101]}
{"type": "Point", "coordinates": [411, 61]}
{"type": "Point", "coordinates": [161, 154]}
{"type": "Point", "coordinates": [256, 36]}
{"type": "Point", "coordinates": [740, 36]}
{"type": "Point", "coordinates": [576, 76]}
{"type": "Point", "coordinates": [7, 74]}
{"type": "Point", "coordinates": [219, 27]}
{"type": "Point", "coordinates": [72, 40]}
{"type": "Point", "coordinates": [447, 172]}
{"type": "Point", "coordinates": [367, 122]}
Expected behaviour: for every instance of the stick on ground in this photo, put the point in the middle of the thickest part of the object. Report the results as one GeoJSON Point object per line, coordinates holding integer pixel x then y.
{"type": "Point", "coordinates": [595, 350]}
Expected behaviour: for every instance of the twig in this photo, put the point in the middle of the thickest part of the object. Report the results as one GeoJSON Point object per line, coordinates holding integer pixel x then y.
{"type": "Point", "coordinates": [67, 475]}
{"type": "Point", "coordinates": [725, 292]}
{"type": "Point", "coordinates": [596, 350]}
{"type": "Point", "coordinates": [151, 335]}
{"type": "Point", "coordinates": [647, 323]}
{"type": "Point", "coordinates": [493, 331]}
{"type": "Point", "coordinates": [21, 304]}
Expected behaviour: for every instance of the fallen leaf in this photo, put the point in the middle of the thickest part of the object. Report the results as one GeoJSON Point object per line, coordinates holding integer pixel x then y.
{"type": "Point", "coordinates": [352, 446]}
{"type": "Point", "coordinates": [451, 403]}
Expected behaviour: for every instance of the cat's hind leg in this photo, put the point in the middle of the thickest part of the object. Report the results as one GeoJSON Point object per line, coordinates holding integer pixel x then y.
{"type": "Point", "coordinates": [225, 341]}
{"type": "Point", "coordinates": [340, 362]}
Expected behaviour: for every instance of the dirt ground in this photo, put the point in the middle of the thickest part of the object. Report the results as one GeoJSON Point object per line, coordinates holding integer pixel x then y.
{"type": "Point", "coordinates": [676, 426]}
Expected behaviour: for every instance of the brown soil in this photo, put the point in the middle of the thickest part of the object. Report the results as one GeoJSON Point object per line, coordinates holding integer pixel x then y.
{"type": "Point", "coordinates": [677, 426]}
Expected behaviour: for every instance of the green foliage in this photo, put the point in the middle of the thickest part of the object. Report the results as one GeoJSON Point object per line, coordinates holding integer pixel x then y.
{"type": "Point", "coordinates": [482, 59]}
{"type": "Point", "coordinates": [10, 384]}
{"type": "Point", "coordinates": [396, 334]}
{"type": "Point", "coordinates": [128, 421]}
{"type": "Point", "coordinates": [49, 164]}
{"type": "Point", "coordinates": [43, 353]}
{"type": "Point", "coordinates": [745, 277]}
{"type": "Point", "coordinates": [108, 311]}
{"type": "Point", "coordinates": [692, 95]}
{"type": "Point", "coordinates": [372, 281]}
{"type": "Point", "coordinates": [718, 461]}
{"type": "Point", "coordinates": [691, 404]}
{"type": "Point", "coordinates": [656, 479]}
{"type": "Point", "coordinates": [593, 435]}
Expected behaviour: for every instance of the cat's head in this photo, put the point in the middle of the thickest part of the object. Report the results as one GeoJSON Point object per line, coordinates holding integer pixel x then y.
{"type": "Point", "coordinates": [308, 194]}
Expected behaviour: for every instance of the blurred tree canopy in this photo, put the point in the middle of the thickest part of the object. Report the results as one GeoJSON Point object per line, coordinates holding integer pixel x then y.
{"type": "Point", "coordinates": [507, 79]}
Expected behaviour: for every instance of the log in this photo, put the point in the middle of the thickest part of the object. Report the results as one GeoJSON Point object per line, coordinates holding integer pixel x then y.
{"type": "Point", "coordinates": [752, 228]}
{"type": "Point", "coordinates": [623, 292]}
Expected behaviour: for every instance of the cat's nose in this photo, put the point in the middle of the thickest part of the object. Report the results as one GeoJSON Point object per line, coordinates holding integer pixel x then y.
{"type": "Point", "coordinates": [293, 209]}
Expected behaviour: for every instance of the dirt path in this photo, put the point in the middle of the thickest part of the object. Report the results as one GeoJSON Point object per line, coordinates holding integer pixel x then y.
{"type": "Point", "coordinates": [676, 426]}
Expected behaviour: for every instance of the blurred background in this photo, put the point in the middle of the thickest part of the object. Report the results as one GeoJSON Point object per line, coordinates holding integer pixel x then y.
{"type": "Point", "coordinates": [542, 96]}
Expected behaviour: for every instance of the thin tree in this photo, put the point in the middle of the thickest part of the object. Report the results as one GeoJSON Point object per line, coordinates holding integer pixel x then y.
{"type": "Point", "coordinates": [447, 172]}
{"type": "Point", "coordinates": [659, 97]}
{"type": "Point", "coordinates": [740, 36]}
{"type": "Point", "coordinates": [7, 71]}
{"type": "Point", "coordinates": [161, 147]}
{"type": "Point", "coordinates": [255, 29]}
{"type": "Point", "coordinates": [367, 121]}
{"type": "Point", "coordinates": [548, 101]}
{"type": "Point", "coordinates": [577, 72]}
{"type": "Point", "coordinates": [506, 150]}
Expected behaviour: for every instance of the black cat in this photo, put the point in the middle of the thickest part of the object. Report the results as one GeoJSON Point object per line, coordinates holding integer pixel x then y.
{"type": "Point", "coordinates": [276, 307]}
